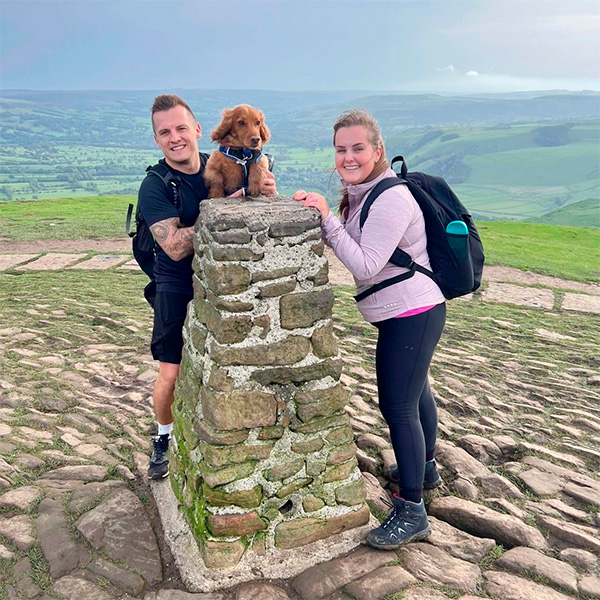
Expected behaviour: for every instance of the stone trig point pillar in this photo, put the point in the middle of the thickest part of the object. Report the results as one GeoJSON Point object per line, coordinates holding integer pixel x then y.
{"type": "Point", "coordinates": [263, 460]}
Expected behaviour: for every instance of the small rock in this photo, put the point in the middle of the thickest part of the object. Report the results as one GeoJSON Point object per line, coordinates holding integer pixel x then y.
{"type": "Point", "coordinates": [526, 560]}
{"type": "Point", "coordinates": [481, 521]}
{"type": "Point", "coordinates": [382, 582]}
{"type": "Point", "coordinates": [82, 473]}
{"type": "Point", "coordinates": [75, 588]}
{"type": "Point", "coordinates": [18, 530]}
{"type": "Point", "coordinates": [510, 587]}
{"type": "Point", "coordinates": [324, 579]}
{"type": "Point", "coordinates": [120, 527]}
{"type": "Point", "coordinates": [21, 498]}
{"type": "Point", "coordinates": [431, 564]}
{"type": "Point", "coordinates": [580, 558]}
{"type": "Point", "coordinates": [125, 580]}
{"type": "Point", "coordinates": [570, 534]}
{"type": "Point", "coordinates": [590, 586]}
{"type": "Point", "coordinates": [458, 543]}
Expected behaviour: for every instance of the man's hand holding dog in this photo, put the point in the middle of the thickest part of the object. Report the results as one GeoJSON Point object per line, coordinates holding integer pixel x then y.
{"type": "Point", "coordinates": [269, 187]}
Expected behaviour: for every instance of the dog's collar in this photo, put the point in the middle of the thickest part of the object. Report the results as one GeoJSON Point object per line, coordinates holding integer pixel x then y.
{"type": "Point", "coordinates": [241, 155]}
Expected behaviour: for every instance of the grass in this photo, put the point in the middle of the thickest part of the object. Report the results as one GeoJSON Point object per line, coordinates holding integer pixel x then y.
{"type": "Point", "coordinates": [92, 217]}
{"type": "Point", "coordinates": [568, 252]}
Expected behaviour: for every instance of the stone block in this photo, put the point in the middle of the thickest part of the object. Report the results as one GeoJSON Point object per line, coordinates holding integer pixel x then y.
{"type": "Point", "coordinates": [352, 493]}
{"type": "Point", "coordinates": [227, 279]}
{"type": "Point", "coordinates": [284, 470]}
{"type": "Point", "coordinates": [330, 367]}
{"type": "Point", "coordinates": [294, 228]}
{"type": "Point", "coordinates": [245, 498]}
{"type": "Point", "coordinates": [230, 254]}
{"type": "Point", "coordinates": [237, 524]}
{"type": "Point", "coordinates": [274, 432]}
{"type": "Point", "coordinates": [273, 290]}
{"type": "Point", "coordinates": [321, 403]}
{"type": "Point", "coordinates": [291, 534]}
{"type": "Point", "coordinates": [218, 457]}
{"type": "Point", "coordinates": [286, 352]}
{"type": "Point", "coordinates": [339, 472]}
{"type": "Point", "coordinates": [233, 306]}
{"type": "Point", "coordinates": [239, 409]}
{"type": "Point", "coordinates": [321, 277]}
{"type": "Point", "coordinates": [226, 475]}
{"type": "Point", "coordinates": [274, 274]}
{"type": "Point", "coordinates": [341, 454]}
{"type": "Point", "coordinates": [221, 555]}
{"type": "Point", "coordinates": [307, 446]}
{"type": "Point", "coordinates": [209, 434]}
{"type": "Point", "coordinates": [292, 487]}
{"type": "Point", "coordinates": [232, 237]}
{"type": "Point", "coordinates": [312, 504]}
{"type": "Point", "coordinates": [318, 248]}
{"type": "Point", "coordinates": [323, 341]}
{"type": "Point", "coordinates": [306, 308]}
{"type": "Point", "coordinates": [341, 435]}
{"type": "Point", "coordinates": [264, 323]}
{"type": "Point", "coordinates": [225, 329]}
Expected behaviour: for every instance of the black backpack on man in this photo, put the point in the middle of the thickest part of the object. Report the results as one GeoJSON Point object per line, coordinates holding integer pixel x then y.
{"type": "Point", "coordinates": [142, 242]}
{"type": "Point", "coordinates": [453, 243]}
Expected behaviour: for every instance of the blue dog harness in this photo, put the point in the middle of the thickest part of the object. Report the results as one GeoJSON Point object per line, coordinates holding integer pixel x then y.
{"type": "Point", "coordinates": [244, 157]}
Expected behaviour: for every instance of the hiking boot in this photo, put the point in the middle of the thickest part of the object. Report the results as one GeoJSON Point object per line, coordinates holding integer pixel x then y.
{"type": "Point", "coordinates": [406, 523]}
{"type": "Point", "coordinates": [432, 477]}
{"type": "Point", "coordinates": [159, 461]}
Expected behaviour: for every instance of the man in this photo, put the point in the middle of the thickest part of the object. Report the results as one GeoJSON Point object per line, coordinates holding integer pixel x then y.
{"type": "Point", "coordinates": [176, 133]}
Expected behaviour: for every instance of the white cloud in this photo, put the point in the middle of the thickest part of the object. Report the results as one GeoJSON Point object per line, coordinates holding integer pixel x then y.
{"type": "Point", "coordinates": [472, 74]}
{"type": "Point", "coordinates": [446, 69]}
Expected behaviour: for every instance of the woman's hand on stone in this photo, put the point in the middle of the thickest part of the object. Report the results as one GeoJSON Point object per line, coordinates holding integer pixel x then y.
{"type": "Point", "coordinates": [313, 200]}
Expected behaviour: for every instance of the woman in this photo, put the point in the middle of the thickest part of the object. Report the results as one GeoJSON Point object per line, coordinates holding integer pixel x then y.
{"type": "Point", "coordinates": [409, 315]}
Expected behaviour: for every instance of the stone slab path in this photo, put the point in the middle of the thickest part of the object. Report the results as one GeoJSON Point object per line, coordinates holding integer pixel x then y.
{"type": "Point", "coordinates": [517, 517]}
{"type": "Point", "coordinates": [504, 283]}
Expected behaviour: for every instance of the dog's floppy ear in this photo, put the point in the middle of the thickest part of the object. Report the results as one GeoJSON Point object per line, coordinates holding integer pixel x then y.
{"type": "Point", "coordinates": [224, 127]}
{"type": "Point", "coordinates": [265, 134]}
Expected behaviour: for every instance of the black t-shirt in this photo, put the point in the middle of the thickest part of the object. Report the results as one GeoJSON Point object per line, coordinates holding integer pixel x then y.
{"type": "Point", "coordinates": [155, 203]}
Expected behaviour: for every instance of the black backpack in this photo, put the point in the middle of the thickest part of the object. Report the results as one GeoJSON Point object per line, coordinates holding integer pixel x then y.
{"type": "Point", "coordinates": [143, 245]}
{"type": "Point", "coordinates": [456, 260]}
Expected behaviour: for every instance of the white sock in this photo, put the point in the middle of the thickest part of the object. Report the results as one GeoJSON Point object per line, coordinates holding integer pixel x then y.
{"type": "Point", "coordinates": [163, 429]}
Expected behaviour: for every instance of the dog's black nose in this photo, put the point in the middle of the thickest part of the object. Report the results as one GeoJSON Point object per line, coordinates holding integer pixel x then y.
{"type": "Point", "coordinates": [255, 141]}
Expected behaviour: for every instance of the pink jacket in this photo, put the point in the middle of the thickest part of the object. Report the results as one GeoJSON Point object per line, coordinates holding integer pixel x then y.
{"type": "Point", "coordinates": [395, 221]}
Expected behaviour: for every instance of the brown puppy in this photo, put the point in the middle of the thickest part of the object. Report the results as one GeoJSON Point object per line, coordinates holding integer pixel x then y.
{"type": "Point", "coordinates": [240, 135]}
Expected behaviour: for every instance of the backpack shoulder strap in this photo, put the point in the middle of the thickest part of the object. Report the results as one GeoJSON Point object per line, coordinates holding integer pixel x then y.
{"type": "Point", "coordinates": [172, 182]}
{"type": "Point", "coordinates": [382, 186]}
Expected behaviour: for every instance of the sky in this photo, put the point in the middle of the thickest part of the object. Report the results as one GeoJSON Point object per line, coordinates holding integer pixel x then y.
{"type": "Point", "coordinates": [452, 46]}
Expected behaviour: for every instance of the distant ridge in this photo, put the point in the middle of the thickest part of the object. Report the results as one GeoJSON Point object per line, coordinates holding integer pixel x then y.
{"type": "Point", "coordinates": [585, 213]}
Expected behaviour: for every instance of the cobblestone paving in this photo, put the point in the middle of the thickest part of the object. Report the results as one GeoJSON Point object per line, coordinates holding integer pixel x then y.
{"type": "Point", "coordinates": [517, 516]}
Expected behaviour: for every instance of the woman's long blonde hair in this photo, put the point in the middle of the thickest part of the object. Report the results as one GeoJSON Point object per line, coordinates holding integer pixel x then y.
{"type": "Point", "coordinates": [359, 116]}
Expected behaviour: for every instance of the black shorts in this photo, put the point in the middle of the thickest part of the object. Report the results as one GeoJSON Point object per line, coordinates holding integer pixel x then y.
{"type": "Point", "coordinates": [170, 310]}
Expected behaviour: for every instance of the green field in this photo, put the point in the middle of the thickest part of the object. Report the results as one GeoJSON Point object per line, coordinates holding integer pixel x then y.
{"type": "Point", "coordinates": [585, 213]}
{"type": "Point", "coordinates": [569, 252]}
{"type": "Point", "coordinates": [511, 172]}
{"type": "Point", "coordinates": [507, 159]}
{"type": "Point", "coordinates": [91, 217]}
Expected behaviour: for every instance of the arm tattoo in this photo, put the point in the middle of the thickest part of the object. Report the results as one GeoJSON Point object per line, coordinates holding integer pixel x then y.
{"type": "Point", "coordinates": [173, 238]}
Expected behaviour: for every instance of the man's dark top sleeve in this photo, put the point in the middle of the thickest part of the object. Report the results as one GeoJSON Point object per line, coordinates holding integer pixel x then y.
{"type": "Point", "coordinates": [155, 205]}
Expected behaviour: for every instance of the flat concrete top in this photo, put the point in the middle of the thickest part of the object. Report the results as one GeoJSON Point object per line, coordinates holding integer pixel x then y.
{"type": "Point", "coordinates": [219, 214]}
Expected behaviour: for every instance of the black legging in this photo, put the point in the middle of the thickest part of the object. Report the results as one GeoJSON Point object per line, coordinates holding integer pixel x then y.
{"type": "Point", "coordinates": [404, 350]}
